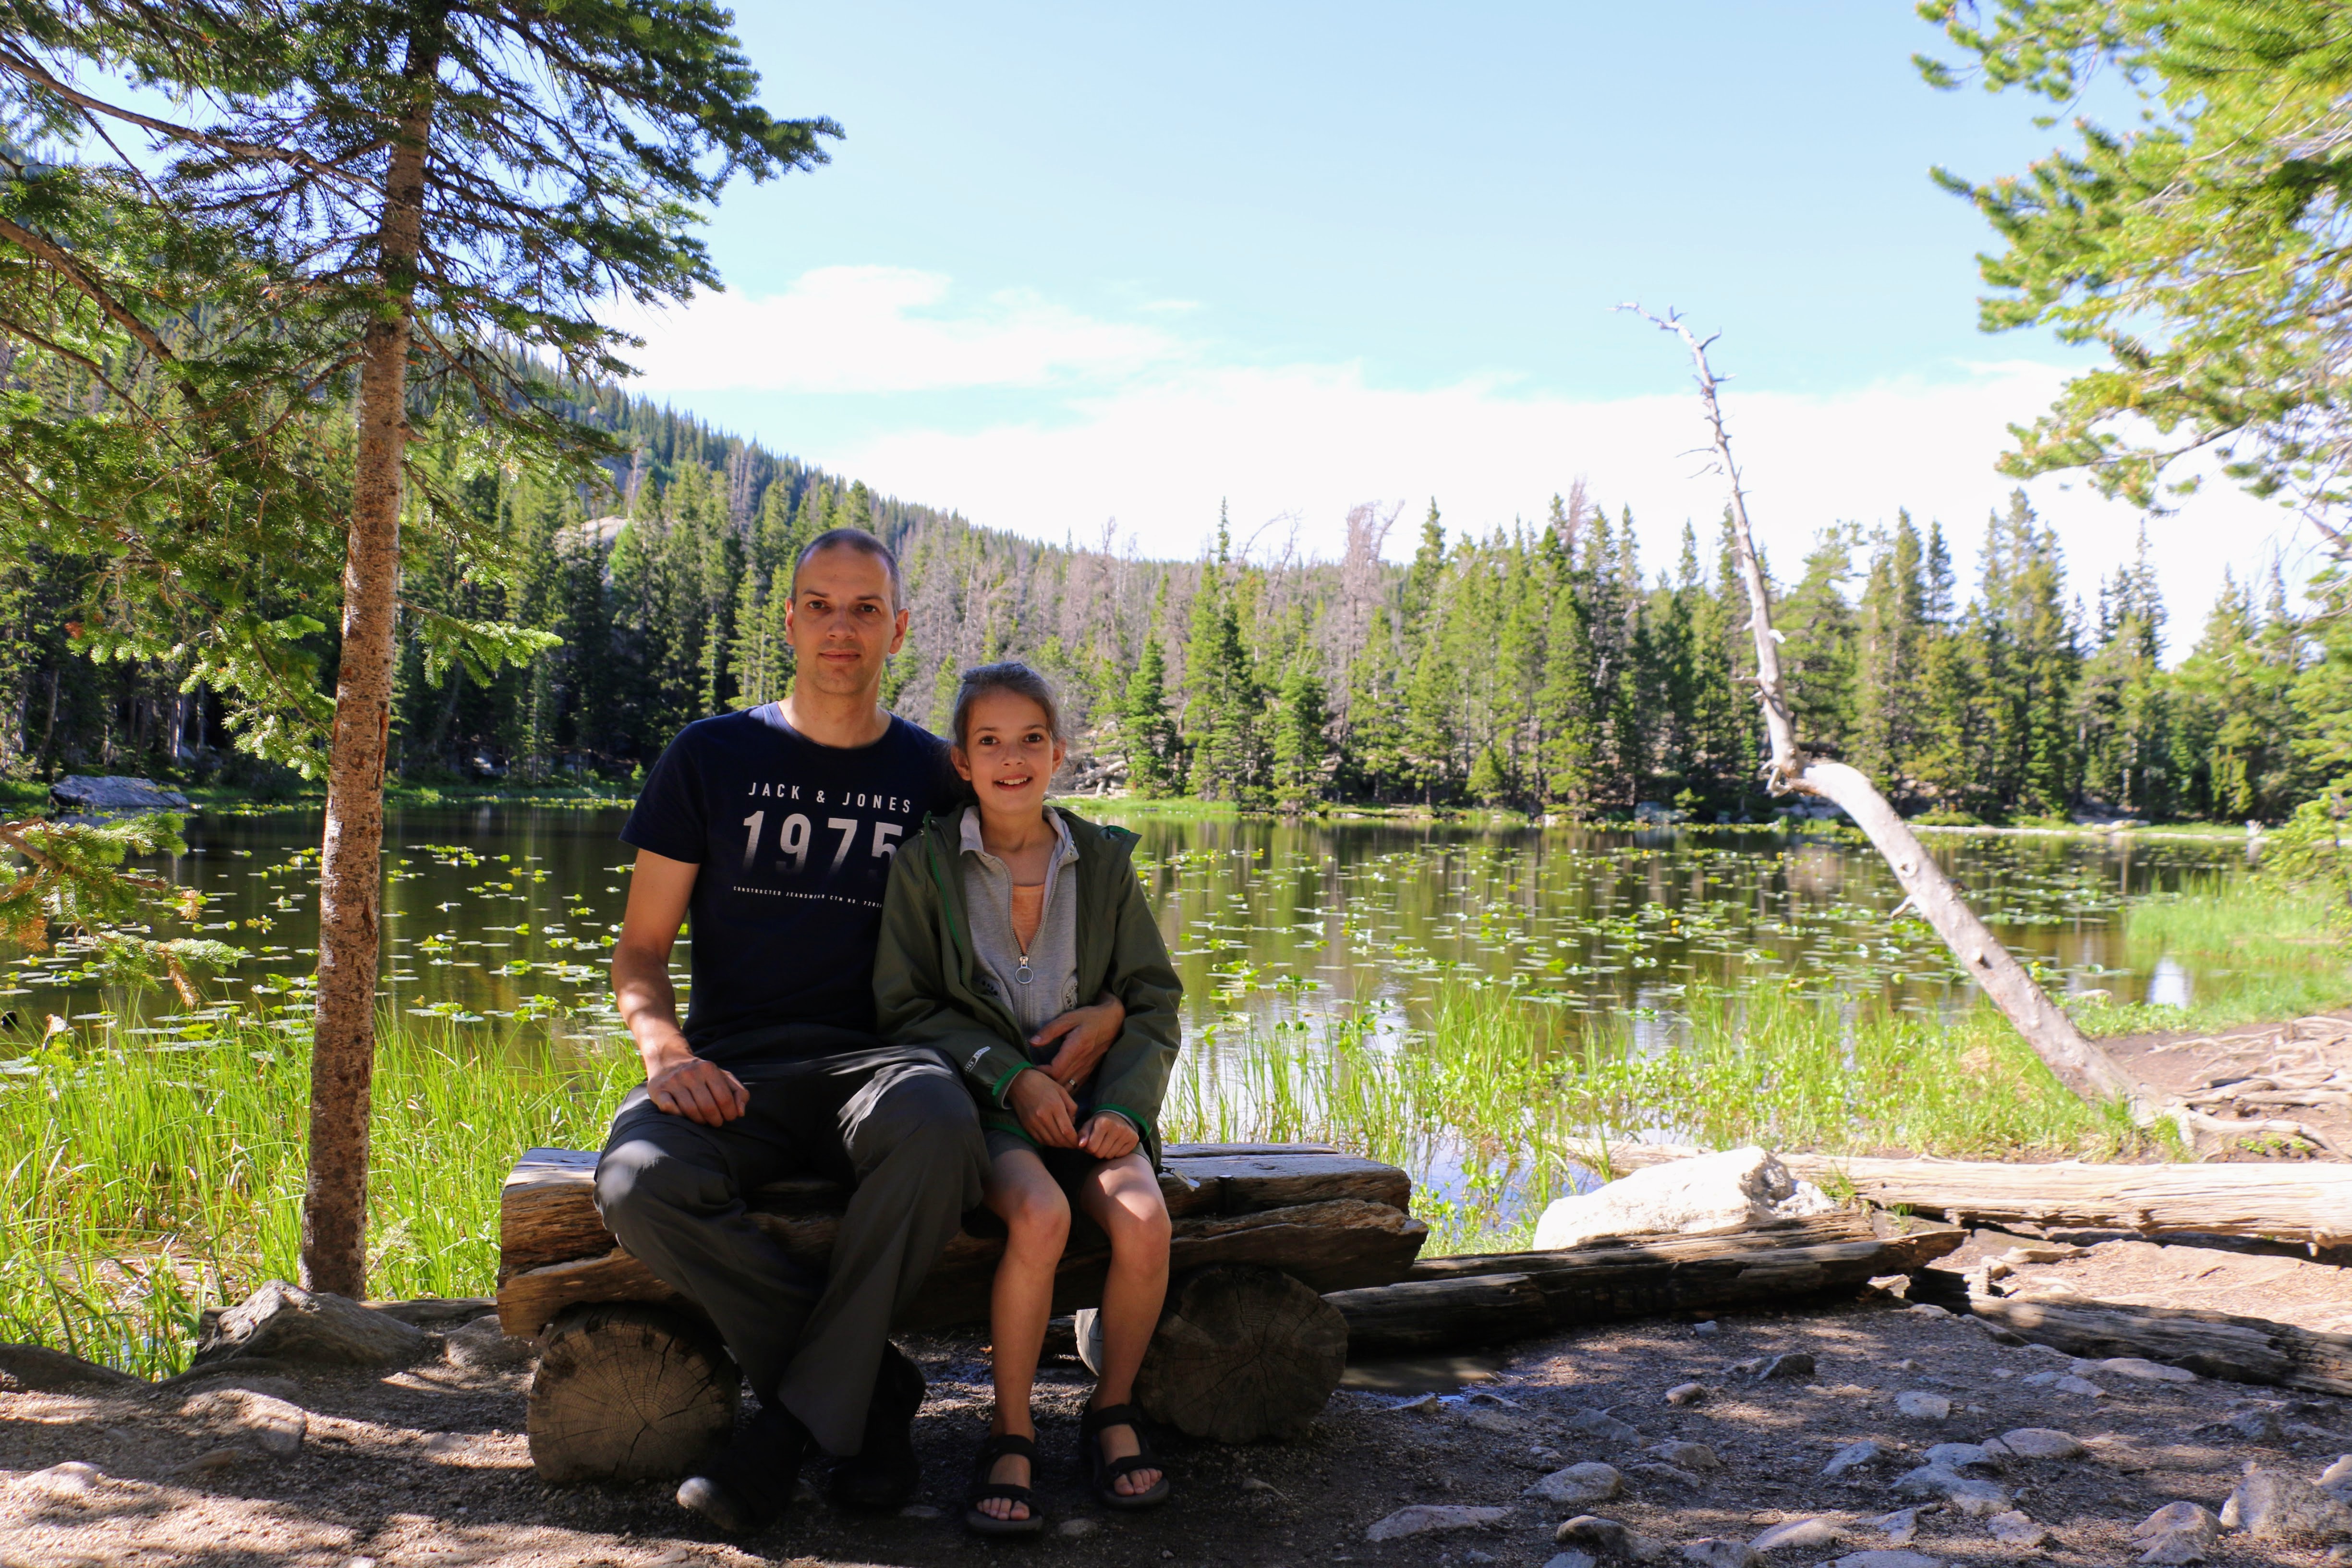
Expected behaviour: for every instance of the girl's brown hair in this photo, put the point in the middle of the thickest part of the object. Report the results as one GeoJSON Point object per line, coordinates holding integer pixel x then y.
{"type": "Point", "coordinates": [1010, 676]}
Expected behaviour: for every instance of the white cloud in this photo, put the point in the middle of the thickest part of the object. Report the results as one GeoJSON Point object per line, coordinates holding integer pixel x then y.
{"type": "Point", "coordinates": [847, 329]}
{"type": "Point", "coordinates": [1133, 423]}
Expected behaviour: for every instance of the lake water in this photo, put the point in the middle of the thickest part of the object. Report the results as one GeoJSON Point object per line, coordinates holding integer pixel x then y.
{"type": "Point", "coordinates": [496, 913]}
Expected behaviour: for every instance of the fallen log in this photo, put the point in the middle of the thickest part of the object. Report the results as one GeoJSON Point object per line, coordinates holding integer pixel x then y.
{"type": "Point", "coordinates": [627, 1386]}
{"type": "Point", "coordinates": [2302, 1200]}
{"type": "Point", "coordinates": [2213, 1344]}
{"type": "Point", "coordinates": [1330, 1245]}
{"type": "Point", "coordinates": [1486, 1298]}
{"type": "Point", "coordinates": [546, 1209]}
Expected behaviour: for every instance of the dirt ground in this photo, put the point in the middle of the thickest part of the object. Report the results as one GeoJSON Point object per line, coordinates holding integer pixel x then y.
{"type": "Point", "coordinates": [429, 1466]}
{"type": "Point", "coordinates": [2300, 1070]}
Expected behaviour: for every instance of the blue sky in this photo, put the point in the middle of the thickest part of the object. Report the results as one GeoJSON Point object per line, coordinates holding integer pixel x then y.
{"type": "Point", "coordinates": [1074, 264]}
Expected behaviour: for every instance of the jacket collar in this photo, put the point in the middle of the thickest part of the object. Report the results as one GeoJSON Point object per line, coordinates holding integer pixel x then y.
{"type": "Point", "coordinates": [969, 839]}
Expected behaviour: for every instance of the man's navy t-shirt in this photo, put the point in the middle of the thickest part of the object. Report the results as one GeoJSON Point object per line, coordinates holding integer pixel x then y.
{"type": "Point", "coordinates": [795, 842]}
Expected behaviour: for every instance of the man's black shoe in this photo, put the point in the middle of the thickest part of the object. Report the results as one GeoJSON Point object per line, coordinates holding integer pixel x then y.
{"type": "Point", "coordinates": [743, 1485]}
{"type": "Point", "coordinates": [884, 1473]}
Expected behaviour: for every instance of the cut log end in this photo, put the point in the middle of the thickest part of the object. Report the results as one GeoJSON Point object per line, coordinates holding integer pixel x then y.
{"type": "Point", "coordinates": [628, 1392]}
{"type": "Point", "coordinates": [1243, 1353]}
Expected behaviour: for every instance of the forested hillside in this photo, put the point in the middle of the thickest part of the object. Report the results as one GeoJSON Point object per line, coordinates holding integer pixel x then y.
{"type": "Point", "coordinates": [1540, 664]}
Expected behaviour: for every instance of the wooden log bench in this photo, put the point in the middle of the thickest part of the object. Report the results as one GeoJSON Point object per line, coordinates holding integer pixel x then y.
{"type": "Point", "coordinates": [632, 1383]}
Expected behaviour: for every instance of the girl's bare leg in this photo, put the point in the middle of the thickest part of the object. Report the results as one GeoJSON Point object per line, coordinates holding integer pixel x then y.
{"type": "Point", "coordinates": [1037, 1222]}
{"type": "Point", "coordinates": [1123, 1197]}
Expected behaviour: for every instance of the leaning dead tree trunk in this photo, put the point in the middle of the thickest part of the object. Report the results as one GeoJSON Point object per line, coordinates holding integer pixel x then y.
{"type": "Point", "coordinates": [2080, 1064]}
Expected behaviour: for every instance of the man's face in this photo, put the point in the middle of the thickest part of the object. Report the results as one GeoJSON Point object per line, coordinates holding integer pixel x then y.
{"type": "Point", "coordinates": [841, 624]}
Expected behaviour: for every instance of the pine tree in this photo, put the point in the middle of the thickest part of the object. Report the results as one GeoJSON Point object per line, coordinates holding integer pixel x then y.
{"type": "Point", "coordinates": [1302, 748]}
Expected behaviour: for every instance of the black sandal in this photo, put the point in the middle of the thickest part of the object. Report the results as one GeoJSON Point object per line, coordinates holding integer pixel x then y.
{"type": "Point", "coordinates": [996, 1446]}
{"type": "Point", "coordinates": [1103, 1473]}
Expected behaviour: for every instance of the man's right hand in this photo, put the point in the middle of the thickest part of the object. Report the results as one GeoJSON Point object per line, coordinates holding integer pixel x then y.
{"type": "Point", "coordinates": [1045, 1108]}
{"type": "Point", "coordinates": [700, 1091]}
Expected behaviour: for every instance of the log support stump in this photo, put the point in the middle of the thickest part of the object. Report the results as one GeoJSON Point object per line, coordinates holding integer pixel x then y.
{"type": "Point", "coordinates": [1243, 1352]}
{"type": "Point", "coordinates": [628, 1392]}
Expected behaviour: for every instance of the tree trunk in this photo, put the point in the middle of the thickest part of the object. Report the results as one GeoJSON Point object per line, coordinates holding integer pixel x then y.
{"type": "Point", "coordinates": [2213, 1344]}
{"type": "Point", "coordinates": [1244, 1353]}
{"type": "Point", "coordinates": [351, 869]}
{"type": "Point", "coordinates": [2080, 1064]}
{"type": "Point", "coordinates": [627, 1392]}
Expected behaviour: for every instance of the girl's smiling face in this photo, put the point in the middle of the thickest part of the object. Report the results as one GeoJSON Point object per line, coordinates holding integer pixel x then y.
{"type": "Point", "coordinates": [1008, 754]}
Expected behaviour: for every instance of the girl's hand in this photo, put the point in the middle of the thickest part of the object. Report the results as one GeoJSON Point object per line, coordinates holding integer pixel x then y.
{"type": "Point", "coordinates": [1087, 1035]}
{"type": "Point", "coordinates": [1045, 1107]}
{"type": "Point", "coordinates": [1108, 1136]}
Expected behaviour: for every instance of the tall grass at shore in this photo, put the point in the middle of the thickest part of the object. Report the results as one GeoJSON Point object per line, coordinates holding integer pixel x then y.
{"type": "Point", "coordinates": [144, 1182]}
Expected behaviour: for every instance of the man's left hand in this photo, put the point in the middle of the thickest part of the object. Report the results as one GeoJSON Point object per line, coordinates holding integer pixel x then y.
{"type": "Point", "coordinates": [1087, 1035]}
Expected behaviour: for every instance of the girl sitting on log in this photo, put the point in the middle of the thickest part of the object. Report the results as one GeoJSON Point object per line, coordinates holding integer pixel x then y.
{"type": "Point", "coordinates": [998, 920]}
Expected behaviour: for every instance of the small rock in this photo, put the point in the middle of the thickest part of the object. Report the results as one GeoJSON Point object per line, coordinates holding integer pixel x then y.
{"type": "Point", "coordinates": [2050, 1253]}
{"type": "Point", "coordinates": [483, 1346]}
{"type": "Point", "coordinates": [1962, 1456]}
{"type": "Point", "coordinates": [272, 1425]}
{"type": "Point", "coordinates": [2270, 1505]}
{"type": "Point", "coordinates": [71, 1479]}
{"type": "Point", "coordinates": [1789, 1366]}
{"type": "Point", "coordinates": [1900, 1527]}
{"type": "Point", "coordinates": [2137, 1367]}
{"type": "Point", "coordinates": [1962, 1494]}
{"type": "Point", "coordinates": [921, 1511]}
{"type": "Point", "coordinates": [1252, 1484]}
{"type": "Point", "coordinates": [1809, 1532]}
{"type": "Point", "coordinates": [1573, 1560]}
{"type": "Point", "coordinates": [1928, 1309]}
{"type": "Point", "coordinates": [1608, 1538]}
{"type": "Point", "coordinates": [2038, 1443]}
{"type": "Point", "coordinates": [1708, 1327]}
{"type": "Point", "coordinates": [1474, 1556]}
{"type": "Point", "coordinates": [1713, 1552]}
{"type": "Point", "coordinates": [1084, 1527]}
{"type": "Point", "coordinates": [1488, 1396]}
{"type": "Point", "coordinates": [1853, 1457]}
{"type": "Point", "coordinates": [1686, 1394]}
{"type": "Point", "coordinates": [2337, 1477]}
{"type": "Point", "coordinates": [1672, 1475]}
{"type": "Point", "coordinates": [2257, 1424]}
{"type": "Point", "coordinates": [1699, 1456]}
{"type": "Point", "coordinates": [2178, 1532]}
{"type": "Point", "coordinates": [1921, 1407]}
{"type": "Point", "coordinates": [1431, 1518]}
{"type": "Point", "coordinates": [1418, 1404]}
{"type": "Point", "coordinates": [2015, 1528]}
{"type": "Point", "coordinates": [40, 1370]}
{"type": "Point", "coordinates": [1578, 1486]}
{"type": "Point", "coordinates": [1598, 1424]}
{"type": "Point", "coordinates": [2041, 1379]}
{"type": "Point", "coordinates": [214, 1461]}
{"type": "Point", "coordinates": [2078, 1386]}
{"type": "Point", "coordinates": [1883, 1559]}
{"type": "Point", "coordinates": [286, 1322]}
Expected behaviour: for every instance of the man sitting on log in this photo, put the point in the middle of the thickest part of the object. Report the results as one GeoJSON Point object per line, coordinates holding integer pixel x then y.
{"type": "Point", "coordinates": [773, 830]}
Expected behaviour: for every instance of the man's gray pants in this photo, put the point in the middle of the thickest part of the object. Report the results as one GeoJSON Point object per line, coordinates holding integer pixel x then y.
{"type": "Point", "coordinates": [897, 1122]}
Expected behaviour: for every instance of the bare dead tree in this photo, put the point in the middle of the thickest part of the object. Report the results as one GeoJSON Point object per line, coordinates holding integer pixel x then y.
{"type": "Point", "coordinates": [2082, 1066]}
{"type": "Point", "coordinates": [2078, 1063]}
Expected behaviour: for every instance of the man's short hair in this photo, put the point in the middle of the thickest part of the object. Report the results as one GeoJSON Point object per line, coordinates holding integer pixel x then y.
{"type": "Point", "coordinates": [865, 543]}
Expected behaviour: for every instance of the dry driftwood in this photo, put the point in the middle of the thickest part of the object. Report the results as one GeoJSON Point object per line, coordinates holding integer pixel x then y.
{"type": "Point", "coordinates": [2239, 1350]}
{"type": "Point", "coordinates": [1486, 1298]}
{"type": "Point", "coordinates": [2305, 1201]}
{"type": "Point", "coordinates": [1330, 1219]}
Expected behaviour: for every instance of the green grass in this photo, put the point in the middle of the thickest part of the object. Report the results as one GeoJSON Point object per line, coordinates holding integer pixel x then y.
{"type": "Point", "coordinates": [146, 1181]}
{"type": "Point", "coordinates": [2259, 950]}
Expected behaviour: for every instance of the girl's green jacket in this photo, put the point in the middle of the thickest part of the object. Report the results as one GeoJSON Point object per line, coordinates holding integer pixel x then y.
{"type": "Point", "coordinates": [927, 991]}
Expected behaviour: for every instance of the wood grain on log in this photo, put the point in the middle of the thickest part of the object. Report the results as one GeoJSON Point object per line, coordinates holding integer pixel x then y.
{"type": "Point", "coordinates": [628, 1392]}
{"type": "Point", "coordinates": [1630, 1277]}
{"type": "Point", "coordinates": [1243, 1352]}
{"type": "Point", "coordinates": [2305, 1201]}
{"type": "Point", "coordinates": [1331, 1246]}
{"type": "Point", "coordinates": [2239, 1350]}
{"type": "Point", "coordinates": [547, 1211]}
{"type": "Point", "coordinates": [1422, 1315]}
